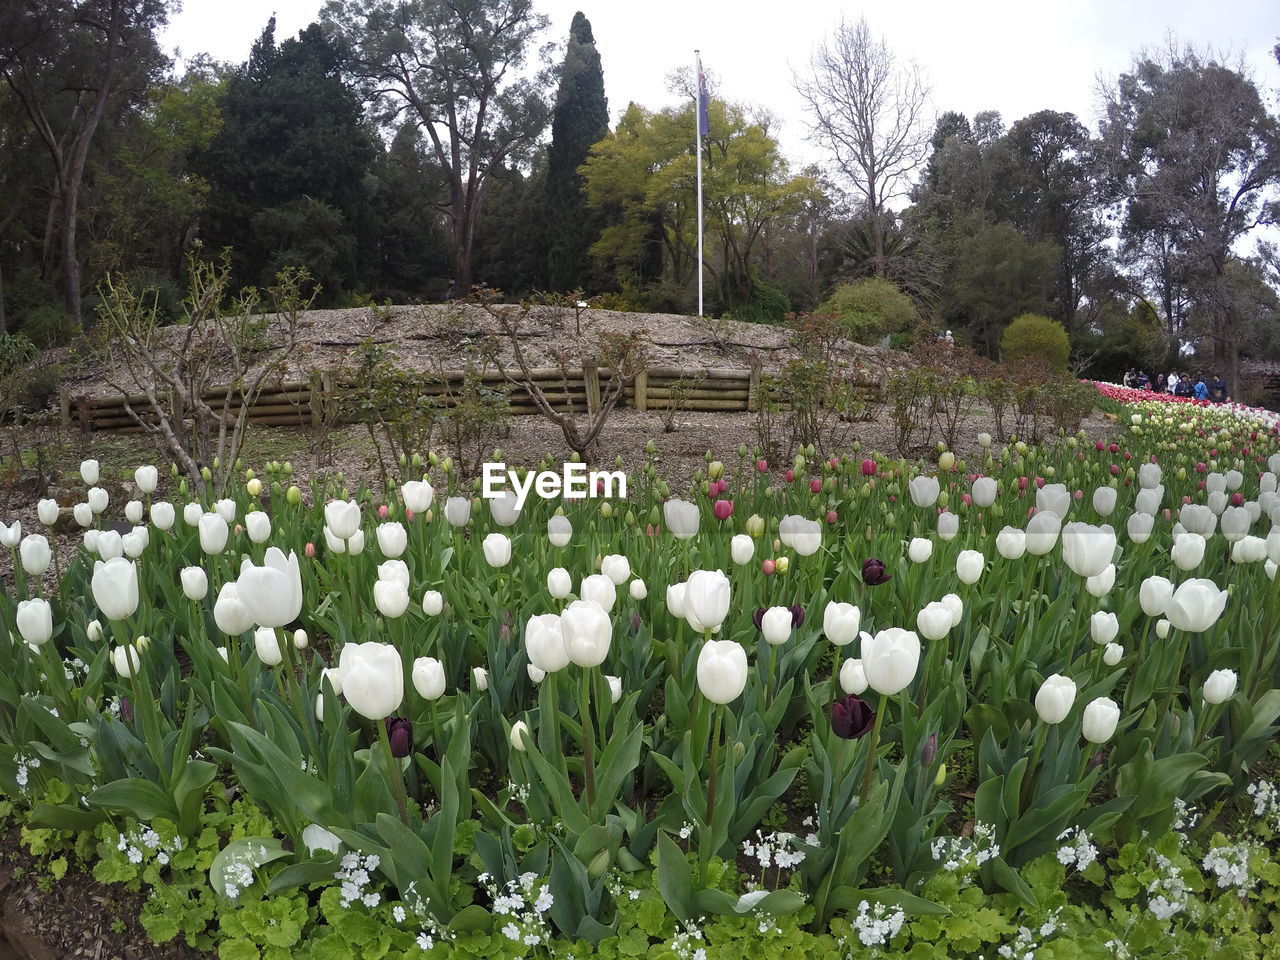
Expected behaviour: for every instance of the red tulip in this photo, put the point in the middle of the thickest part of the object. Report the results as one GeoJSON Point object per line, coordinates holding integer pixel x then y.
{"type": "Point", "coordinates": [723, 509]}
{"type": "Point", "coordinates": [868, 467]}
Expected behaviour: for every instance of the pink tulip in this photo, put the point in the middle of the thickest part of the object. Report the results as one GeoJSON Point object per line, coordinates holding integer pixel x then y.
{"type": "Point", "coordinates": [790, 476]}
{"type": "Point", "coordinates": [832, 517]}
{"type": "Point", "coordinates": [310, 550]}
{"type": "Point", "coordinates": [762, 466]}
{"type": "Point", "coordinates": [868, 467]}
{"type": "Point", "coordinates": [768, 568]}
{"type": "Point", "coordinates": [815, 485]}
{"type": "Point", "coordinates": [723, 509]}
{"type": "Point", "coordinates": [382, 512]}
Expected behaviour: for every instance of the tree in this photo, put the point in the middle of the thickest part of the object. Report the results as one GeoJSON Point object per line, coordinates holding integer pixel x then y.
{"type": "Point", "coordinates": [869, 112]}
{"type": "Point", "coordinates": [579, 121]}
{"type": "Point", "coordinates": [288, 170]}
{"type": "Point", "coordinates": [68, 62]}
{"type": "Point", "coordinates": [871, 308]}
{"type": "Point", "coordinates": [459, 68]}
{"type": "Point", "coordinates": [646, 171]}
{"type": "Point", "coordinates": [1192, 158]}
{"type": "Point", "coordinates": [1033, 337]}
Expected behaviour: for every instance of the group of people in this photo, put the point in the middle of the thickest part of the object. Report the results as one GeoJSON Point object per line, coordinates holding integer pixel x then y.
{"type": "Point", "coordinates": [1180, 385]}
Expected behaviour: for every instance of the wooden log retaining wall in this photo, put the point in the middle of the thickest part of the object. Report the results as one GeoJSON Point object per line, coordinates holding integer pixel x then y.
{"type": "Point", "coordinates": [300, 403]}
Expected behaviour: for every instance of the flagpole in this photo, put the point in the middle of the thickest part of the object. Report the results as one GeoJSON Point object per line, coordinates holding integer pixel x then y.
{"type": "Point", "coordinates": [697, 121]}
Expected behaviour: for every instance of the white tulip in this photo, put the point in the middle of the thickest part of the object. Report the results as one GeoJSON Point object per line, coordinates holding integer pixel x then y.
{"type": "Point", "coordinates": [956, 607]}
{"type": "Point", "coordinates": [1087, 550]}
{"type": "Point", "coordinates": [34, 620]}
{"type": "Point", "coordinates": [372, 678]}
{"type": "Point", "coordinates": [1104, 501]}
{"type": "Point", "coordinates": [776, 625]}
{"type": "Point", "coordinates": [191, 514]}
{"type": "Point", "coordinates": [272, 593]}
{"type": "Point", "coordinates": [616, 567]}
{"type": "Point", "coordinates": [226, 509]}
{"type": "Point", "coordinates": [457, 511]}
{"type": "Point", "coordinates": [432, 603]}
{"type": "Point", "coordinates": [969, 566]}
{"type": "Point", "coordinates": [682, 518]}
{"type": "Point", "coordinates": [919, 549]}
{"type": "Point", "coordinates": [1055, 698]}
{"type": "Point", "coordinates": [115, 588]}
{"type": "Point", "coordinates": [1219, 686]}
{"type": "Point", "coordinates": [497, 550]}
{"type": "Point", "coordinates": [300, 639]}
{"type": "Point", "coordinates": [133, 511]}
{"type": "Point", "coordinates": [316, 837]}
{"type": "Point", "coordinates": [1149, 475]}
{"type": "Point", "coordinates": [1197, 518]}
{"type": "Point", "coordinates": [97, 499]}
{"type": "Point", "coordinates": [503, 508]}
{"type": "Point", "coordinates": [1011, 543]}
{"type": "Point", "coordinates": [108, 544]}
{"type": "Point", "coordinates": [1100, 717]}
{"type": "Point", "coordinates": [742, 548]}
{"type": "Point", "coordinates": [394, 570]}
{"type": "Point", "coordinates": [535, 675]}
{"type": "Point", "coordinates": [89, 472]}
{"type": "Point", "coordinates": [93, 631]}
{"type": "Point", "coordinates": [890, 659]}
{"type": "Point", "coordinates": [1101, 585]}
{"type": "Point", "coordinates": [258, 525]}
{"type": "Point", "coordinates": [840, 622]}
{"type": "Point", "coordinates": [559, 531]}
{"type": "Point", "coordinates": [544, 643]}
{"type": "Point", "coordinates": [801, 535]}
{"type": "Point", "coordinates": [853, 679]}
{"type": "Point", "coordinates": [706, 600]}
{"type": "Point", "coordinates": [213, 533]}
{"type": "Point", "coordinates": [1139, 527]}
{"type": "Point", "coordinates": [428, 677]}
{"type": "Point", "coordinates": [1235, 522]}
{"type": "Point", "coordinates": [1196, 605]}
{"type": "Point", "coordinates": [145, 479]}
{"type": "Point", "coordinates": [267, 646]}
{"type": "Point", "coordinates": [1104, 627]}
{"type": "Point", "coordinates": [1042, 532]}
{"type": "Point", "coordinates": [983, 492]}
{"type": "Point", "coordinates": [948, 525]}
{"type": "Point", "coordinates": [924, 490]}
{"type": "Point", "coordinates": [587, 632]}
{"type": "Point", "coordinates": [615, 688]}
{"type": "Point", "coordinates": [480, 679]}
{"type": "Point", "coordinates": [1112, 654]}
{"type": "Point", "coordinates": [162, 515]}
{"type": "Point", "coordinates": [638, 589]}
{"type": "Point", "coordinates": [35, 554]}
{"type": "Point", "coordinates": [229, 613]}
{"type": "Point", "coordinates": [417, 495]}
{"type": "Point", "coordinates": [1249, 549]}
{"type": "Point", "coordinates": [1188, 551]}
{"type": "Point", "coordinates": [391, 597]}
{"type": "Point", "coordinates": [1148, 500]}
{"type": "Point", "coordinates": [195, 583]}
{"type": "Point", "coordinates": [342, 517]}
{"type": "Point", "coordinates": [722, 671]}
{"type": "Point", "coordinates": [47, 510]}
{"type": "Point", "coordinates": [934, 622]}
{"type": "Point", "coordinates": [675, 600]}
{"type": "Point", "coordinates": [1162, 628]}
{"type": "Point", "coordinates": [559, 584]}
{"type": "Point", "coordinates": [1053, 498]}
{"type": "Point", "coordinates": [125, 660]}
{"type": "Point", "coordinates": [83, 514]}
{"type": "Point", "coordinates": [392, 539]}
{"type": "Point", "coordinates": [1234, 479]}
{"type": "Point", "coordinates": [519, 731]}
{"type": "Point", "coordinates": [599, 589]}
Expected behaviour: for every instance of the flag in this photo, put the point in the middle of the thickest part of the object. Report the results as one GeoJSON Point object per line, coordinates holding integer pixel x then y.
{"type": "Point", "coordinates": [704, 102]}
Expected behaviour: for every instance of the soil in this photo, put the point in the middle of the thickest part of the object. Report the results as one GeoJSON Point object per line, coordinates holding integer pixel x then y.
{"type": "Point", "coordinates": [75, 917]}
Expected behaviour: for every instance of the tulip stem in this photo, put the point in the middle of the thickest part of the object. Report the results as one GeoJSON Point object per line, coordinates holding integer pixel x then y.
{"type": "Point", "coordinates": [437, 734]}
{"type": "Point", "coordinates": [1028, 778]}
{"type": "Point", "coordinates": [588, 763]}
{"type": "Point", "coordinates": [397, 777]}
{"type": "Point", "coordinates": [715, 768]}
{"type": "Point", "coordinates": [870, 769]}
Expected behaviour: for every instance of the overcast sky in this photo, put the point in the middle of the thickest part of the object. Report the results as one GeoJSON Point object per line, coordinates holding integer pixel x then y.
{"type": "Point", "coordinates": [1014, 57]}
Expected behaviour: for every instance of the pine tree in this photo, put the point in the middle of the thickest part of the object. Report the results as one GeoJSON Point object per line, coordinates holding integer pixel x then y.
{"type": "Point", "coordinates": [580, 120]}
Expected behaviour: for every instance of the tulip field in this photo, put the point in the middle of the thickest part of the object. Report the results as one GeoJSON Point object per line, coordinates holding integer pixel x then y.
{"type": "Point", "coordinates": [1023, 705]}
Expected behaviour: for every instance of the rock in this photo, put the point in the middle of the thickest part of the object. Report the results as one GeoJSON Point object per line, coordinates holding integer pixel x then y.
{"type": "Point", "coordinates": [19, 937]}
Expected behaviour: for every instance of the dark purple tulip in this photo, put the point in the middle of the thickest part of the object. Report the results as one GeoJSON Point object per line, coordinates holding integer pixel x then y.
{"type": "Point", "coordinates": [797, 616]}
{"type": "Point", "coordinates": [1097, 760]}
{"type": "Point", "coordinates": [126, 710]}
{"type": "Point", "coordinates": [929, 752]}
{"type": "Point", "coordinates": [758, 617]}
{"type": "Point", "coordinates": [635, 624]}
{"type": "Point", "coordinates": [873, 572]}
{"type": "Point", "coordinates": [400, 733]}
{"type": "Point", "coordinates": [852, 718]}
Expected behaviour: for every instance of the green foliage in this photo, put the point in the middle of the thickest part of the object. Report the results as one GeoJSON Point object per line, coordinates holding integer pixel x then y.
{"type": "Point", "coordinates": [48, 325]}
{"type": "Point", "coordinates": [870, 308]}
{"type": "Point", "coordinates": [767, 304]}
{"type": "Point", "coordinates": [1033, 337]}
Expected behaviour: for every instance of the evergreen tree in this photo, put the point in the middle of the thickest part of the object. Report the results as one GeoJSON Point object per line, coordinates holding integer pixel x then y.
{"type": "Point", "coordinates": [580, 120]}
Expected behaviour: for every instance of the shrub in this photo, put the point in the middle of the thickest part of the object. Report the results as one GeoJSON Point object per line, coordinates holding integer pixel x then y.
{"type": "Point", "coordinates": [871, 308]}
{"type": "Point", "coordinates": [47, 325]}
{"type": "Point", "coordinates": [1031, 336]}
{"type": "Point", "coordinates": [768, 304]}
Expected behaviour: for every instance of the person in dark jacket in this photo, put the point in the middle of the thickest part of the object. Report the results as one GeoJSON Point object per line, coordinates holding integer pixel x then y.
{"type": "Point", "coordinates": [1218, 390]}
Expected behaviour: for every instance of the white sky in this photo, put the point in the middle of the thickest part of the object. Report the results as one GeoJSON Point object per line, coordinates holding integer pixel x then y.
{"type": "Point", "coordinates": [1015, 57]}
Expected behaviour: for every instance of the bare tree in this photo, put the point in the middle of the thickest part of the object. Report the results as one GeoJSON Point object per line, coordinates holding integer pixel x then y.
{"type": "Point", "coordinates": [191, 386]}
{"type": "Point", "coordinates": [868, 110]}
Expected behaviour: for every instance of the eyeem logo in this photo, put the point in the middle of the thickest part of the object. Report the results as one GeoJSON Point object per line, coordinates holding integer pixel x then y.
{"type": "Point", "coordinates": [573, 482]}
